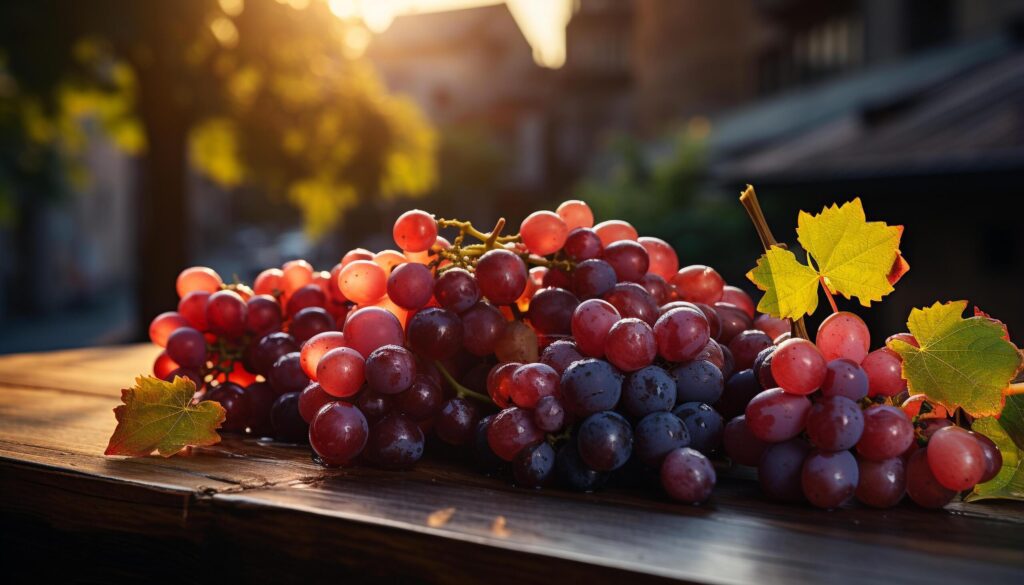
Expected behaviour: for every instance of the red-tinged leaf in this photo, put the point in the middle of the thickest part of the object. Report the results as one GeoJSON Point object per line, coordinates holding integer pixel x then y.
{"type": "Point", "coordinates": [979, 313]}
{"type": "Point", "coordinates": [900, 266]}
{"type": "Point", "coordinates": [159, 416]}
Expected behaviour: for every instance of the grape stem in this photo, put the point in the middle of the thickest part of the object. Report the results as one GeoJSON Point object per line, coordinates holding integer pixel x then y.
{"type": "Point", "coordinates": [460, 390]}
{"type": "Point", "coordinates": [749, 201]}
{"type": "Point", "coordinates": [831, 300]}
{"type": "Point", "coordinates": [1015, 389]}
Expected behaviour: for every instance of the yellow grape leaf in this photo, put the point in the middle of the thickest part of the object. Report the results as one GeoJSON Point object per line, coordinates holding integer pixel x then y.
{"type": "Point", "coordinates": [159, 416]}
{"type": "Point", "coordinates": [851, 256]}
{"type": "Point", "coordinates": [966, 363]}
{"type": "Point", "coordinates": [1005, 433]}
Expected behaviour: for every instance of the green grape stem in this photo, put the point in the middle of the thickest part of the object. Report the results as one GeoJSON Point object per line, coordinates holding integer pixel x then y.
{"type": "Point", "coordinates": [460, 390]}
{"type": "Point", "coordinates": [465, 256]}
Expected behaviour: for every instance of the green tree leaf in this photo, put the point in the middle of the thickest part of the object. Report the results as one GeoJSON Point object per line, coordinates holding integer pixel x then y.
{"type": "Point", "coordinates": [1005, 432]}
{"type": "Point", "coordinates": [159, 416]}
{"type": "Point", "coordinates": [964, 363]}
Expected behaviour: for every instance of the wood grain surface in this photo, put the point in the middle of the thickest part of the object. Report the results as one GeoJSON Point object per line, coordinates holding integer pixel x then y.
{"type": "Point", "coordinates": [264, 512]}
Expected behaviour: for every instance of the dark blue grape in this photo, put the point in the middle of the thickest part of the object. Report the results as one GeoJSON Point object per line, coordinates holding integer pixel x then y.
{"type": "Point", "coordinates": [396, 442]}
{"type": "Point", "coordinates": [533, 467]}
{"type": "Point", "coordinates": [648, 390]}
{"type": "Point", "coordinates": [703, 423]}
{"type": "Point", "coordinates": [780, 469]}
{"type": "Point", "coordinates": [740, 388]}
{"type": "Point", "coordinates": [698, 381]}
{"type": "Point", "coordinates": [605, 441]}
{"type": "Point", "coordinates": [656, 434]}
{"type": "Point", "coordinates": [590, 386]}
{"type": "Point", "coordinates": [287, 421]}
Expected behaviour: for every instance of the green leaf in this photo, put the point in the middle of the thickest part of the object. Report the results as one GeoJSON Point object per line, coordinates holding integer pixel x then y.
{"type": "Point", "coordinates": [1009, 483]}
{"type": "Point", "coordinates": [159, 416]}
{"type": "Point", "coordinates": [965, 363]}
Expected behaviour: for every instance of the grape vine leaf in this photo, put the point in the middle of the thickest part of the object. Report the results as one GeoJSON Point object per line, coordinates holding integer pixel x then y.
{"type": "Point", "coordinates": [1008, 434]}
{"type": "Point", "coordinates": [159, 416]}
{"type": "Point", "coordinates": [846, 253]}
{"type": "Point", "coordinates": [966, 363]}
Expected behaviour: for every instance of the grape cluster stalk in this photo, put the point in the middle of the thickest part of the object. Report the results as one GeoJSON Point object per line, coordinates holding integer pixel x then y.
{"type": "Point", "coordinates": [569, 353]}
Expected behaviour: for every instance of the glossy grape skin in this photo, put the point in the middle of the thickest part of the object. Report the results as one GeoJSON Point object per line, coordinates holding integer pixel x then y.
{"type": "Point", "coordinates": [884, 369]}
{"type": "Point", "coordinates": [499, 383]}
{"type": "Point", "coordinates": [415, 231]}
{"type": "Point", "coordinates": [663, 259]}
{"type": "Point", "coordinates": [704, 425]}
{"type": "Point", "coordinates": [310, 295]}
{"type": "Point", "coordinates": [583, 244]}
{"type": "Point", "coordinates": [913, 405]}
{"type": "Point", "coordinates": [615, 230]}
{"type": "Point", "coordinates": [714, 323]}
{"type": "Point", "coordinates": [387, 260]}
{"type": "Point", "coordinates": [310, 322]}
{"type": "Point", "coordinates": [733, 321]}
{"type": "Point", "coordinates": [163, 365]}
{"type": "Point", "coordinates": [590, 323]}
{"type": "Point", "coordinates": [554, 278]}
{"type": "Point", "coordinates": [511, 431]}
{"type": "Point", "coordinates": [628, 259]}
{"type": "Point", "coordinates": [422, 400]}
{"type": "Point", "coordinates": [775, 415]}
{"type": "Point", "coordinates": [288, 425]}
{"type": "Point", "coordinates": [719, 356]}
{"type": "Point", "coordinates": [698, 284]}
{"type": "Point", "coordinates": [311, 400]}
{"type": "Point", "coordinates": [590, 386]}
{"type": "Point", "coordinates": [164, 324]}
{"type": "Point", "coordinates": [882, 484]}
{"type": "Point", "coordinates": [262, 315]}
{"type": "Point", "coordinates": [740, 444]}
{"type": "Point", "coordinates": [236, 406]}
{"type": "Point", "coordinates": [681, 334]}
{"type": "Point", "coordinates": [829, 479]}
{"type": "Point", "coordinates": [339, 433]}
{"type": "Point", "coordinates": [390, 369]}
{"type": "Point", "coordinates": [834, 423]}
{"type": "Point", "coordinates": [534, 466]}
{"type": "Point", "coordinates": [517, 343]}
{"type": "Point", "coordinates": [630, 345]}
{"type": "Point", "coordinates": [845, 378]}
{"type": "Point", "coordinates": [904, 337]}
{"type": "Point", "coordinates": [363, 282]}
{"type": "Point", "coordinates": [198, 278]}
{"type": "Point", "coordinates": [656, 434]}
{"type": "Point", "coordinates": [543, 232]}
{"type": "Point", "coordinates": [410, 285]}
{"type": "Point", "coordinates": [193, 308]}
{"type": "Point", "coordinates": [798, 366]}
{"type": "Point", "coordinates": [456, 421]}
{"type": "Point", "coordinates": [456, 290]}
{"type": "Point", "coordinates": [315, 348]}
{"type": "Point", "coordinates": [395, 442]}
{"type": "Point", "coordinates": [482, 327]}
{"type": "Point", "coordinates": [780, 469]}
{"type": "Point", "coordinates": [341, 372]}
{"type": "Point", "coordinates": [501, 276]}
{"type": "Point", "coordinates": [648, 390]}
{"type": "Point", "coordinates": [551, 311]}
{"type": "Point", "coordinates": [605, 441]}
{"type": "Point", "coordinates": [746, 345]}
{"type": "Point", "coordinates": [739, 297]}
{"type": "Point", "coordinates": [268, 282]}
{"type": "Point", "coordinates": [261, 398]}
{"type": "Point", "coordinates": [560, 354]}
{"type": "Point", "coordinates": [632, 300]}
{"type": "Point", "coordinates": [687, 476]}
{"type": "Point", "coordinates": [575, 214]}
{"type": "Point", "coordinates": [763, 368]}
{"type": "Point", "coordinates": [887, 433]}
{"type": "Point", "coordinates": [295, 274]}
{"type": "Point", "coordinates": [956, 458]}
{"type": "Point", "coordinates": [435, 333]}
{"type": "Point", "coordinates": [593, 278]}
{"type": "Point", "coordinates": [187, 348]}
{"type": "Point", "coordinates": [372, 327]}
{"type": "Point", "coordinates": [549, 415]}
{"type": "Point", "coordinates": [843, 335]}
{"type": "Point", "coordinates": [574, 473]}
{"type": "Point", "coordinates": [740, 389]}
{"type": "Point", "coordinates": [374, 405]}
{"type": "Point", "coordinates": [993, 458]}
{"type": "Point", "coordinates": [655, 286]}
{"type": "Point", "coordinates": [225, 314]}
{"type": "Point", "coordinates": [270, 349]}
{"type": "Point", "coordinates": [922, 486]}
{"type": "Point", "coordinates": [531, 382]}
{"type": "Point", "coordinates": [698, 381]}
{"type": "Point", "coordinates": [356, 254]}
{"type": "Point", "coordinates": [772, 326]}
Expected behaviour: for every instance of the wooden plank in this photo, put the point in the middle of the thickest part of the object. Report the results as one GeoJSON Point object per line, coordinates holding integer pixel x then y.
{"type": "Point", "coordinates": [245, 494]}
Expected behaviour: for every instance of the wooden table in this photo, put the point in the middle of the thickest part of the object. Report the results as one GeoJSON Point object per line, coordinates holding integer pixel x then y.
{"type": "Point", "coordinates": [264, 512]}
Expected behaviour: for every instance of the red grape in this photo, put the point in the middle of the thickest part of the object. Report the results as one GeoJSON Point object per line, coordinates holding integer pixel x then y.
{"type": "Point", "coordinates": [739, 297]}
{"type": "Point", "coordinates": [187, 348]}
{"type": "Point", "coordinates": [315, 348]}
{"type": "Point", "coordinates": [887, 433]}
{"type": "Point", "coordinates": [543, 232]}
{"type": "Point", "coordinates": [592, 278]}
{"type": "Point", "coordinates": [775, 415]}
{"type": "Point", "coordinates": [681, 334]}
{"type": "Point", "coordinates": [663, 259]}
{"type": "Point", "coordinates": [844, 377]}
{"type": "Point", "coordinates": [415, 231]}
{"type": "Point", "coordinates": [435, 333]}
{"type": "Point", "coordinates": [551, 311]}
{"type": "Point", "coordinates": [884, 369]}
{"type": "Point", "coordinates": [311, 400]}
{"type": "Point", "coordinates": [341, 372]}
{"type": "Point", "coordinates": [269, 282]}
{"type": "Point", "coordinates": [193, 308]}
{"type": "Point", "coordinates": [583, 244]}
{"type": "Point", "coordinates": [922, 486]}
{"type": "Point", "coordinates": [628, 258]}
{"type": "Point", "coordinates": [829, 479]}
{"type": "Point", "coordinates": [630, 345]}
{"type": "Point", "coordinates": [798, 366]}
{"type": "Point", "coordinates": [411, 285]}
{"type": "Point", "coordinates": [956, 458]}
{"type": "Point", "coordinates": [198, 278]}
{"type": "Point", "coordinates": [575, 214]}
{"type": "Point", "coordinates": [372, 327]}
{"type": "Point", "coordinates": [772, 326]}
{"type": "Point", "coordinates": [746, 345]}
{"type": "Point", "coordinates": [482, 327]}
{"type": "Point", "coordinates": [531, 382]}
{"type": "Point", "coordinates": [164, 324]}
{"type": "Point", "coordinates": [993, 458]}
{"type": "Point", "coordinates": [740, 444]}
{"type": "Point", "coordinates": [456, 290]}
{"type": "Point", "coordinates": [834, 423]}
{"type": "Point", "coordinates": [590, 324]}
{"type": "Point", "coordinates": [296, 274]}
{"type": "Point", "coordinates": [632, 300]}
{"type": "Point", "coordinates": [687, 476]}
{"type": "Point", "coordinates": [362, 282]}
{"type": "Point", "coordinates": [511, 431]}
{"type": "Point", "coordinates": [698, 284]}
{"type": "Point", "coordinates": [262, 315]}
{"type": "Point", "coordinates": [615, 230]}
{"type": "Point", "coordinates": [338, 433]}
{"type": "Point", "coordinates": [501, 276]}
{"type": "Point", "coordinates": [882, 483]}
{"type": "Point", "coordinates": [843, 335]}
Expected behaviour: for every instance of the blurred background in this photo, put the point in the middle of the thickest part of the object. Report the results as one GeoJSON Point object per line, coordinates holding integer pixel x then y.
{"type": "Point", "coordinates": [138, 138]}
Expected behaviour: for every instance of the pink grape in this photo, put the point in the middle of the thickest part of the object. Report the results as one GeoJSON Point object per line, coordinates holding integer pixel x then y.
{"type": "Point", "coordinates": [887, 433]}
{"type": "Point", "coordinates": [739, 297]}
{"type": "Point", "coordinates": [415, 231]}
{"type": "Point", "coordinates": [681, 334]}
{"type": "Point", "coordinates": [663, 259]}
{"type": "Point", "coordinates": [164, 324]}
{"type": "Point", "coordinates": [341, 372]}
{"type": "Point", "coordinates": [311, 400]}
{"type": "Point", "coordinates": [225, 314]}
{"type": "Point", "coordinates": [630, 345]}
{"type": "Point", "coordinates": [698, 284]}
{"type": "Point", "coordinates": [269, 282]}
{"type": "Point", "coordinates": [198, 278]}
{"type": "Point", "coordinates": [511, 431]}
{"type": "Point", "coordinates": [798, 367]}
{"type": "Point", "coordinates": [843, 335]}
{"type": "Point", "coordinates": [193, 308]}
{"type": "Point", "coordinates": [922, 486]}
{"type": "Point", "coordinates": [774, 415]}
{"type": "Point", "coordinates": [410, 285]}
{"type": "Point", "coordinates": [628, 259]}
{"type": "Point", "coordinates": [882, 483]}
{"type": "Point", "coordinates": [543, 232]}
{"type": "Point", "coordinates": [372, 327]}
{"type": "Point", "coordinates": [531, 382]}
{"type": "Point", "coordinates": [590, 324]}
{"type": "Point", "coordinates": [296, 274]}
{"type": "Point", "coordinates": [614, 230]}
{"type": "Point", "coordinates": [583, 244]}
{"type": "Point", "coordinates": [956, 459]}
{"type": "Point", "coordinates": [362, 282]}
{"type": "Point", "coordinates": [772, 326]}
{"type": "Point", "coordinates": [315, 348]}
{"type": "Point", "coordinates": [575, 214]}
{"type": "Point", "coordinates": [884, 369]}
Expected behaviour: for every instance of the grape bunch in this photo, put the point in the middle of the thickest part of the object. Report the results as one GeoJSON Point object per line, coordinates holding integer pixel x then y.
{"type": "Point", "coordinates": [822, 425]}
{"type": "Point", "coordinates": [567, 354]}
